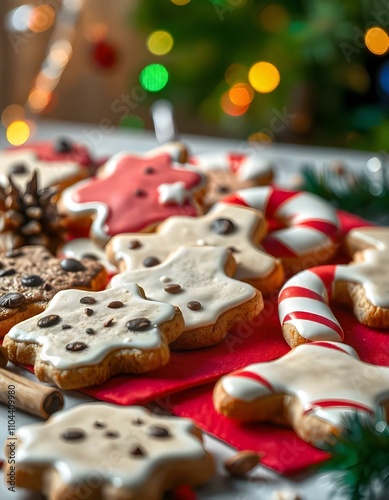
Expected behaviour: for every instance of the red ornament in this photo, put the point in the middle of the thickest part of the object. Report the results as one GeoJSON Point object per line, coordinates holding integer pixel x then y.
{"type": "Point", "coordinates": [104, 54]}
{"type": "Point", "coordinates": [184, 492]}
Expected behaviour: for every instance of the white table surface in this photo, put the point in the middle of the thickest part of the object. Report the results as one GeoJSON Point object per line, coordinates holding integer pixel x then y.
{"type": "Point", "coordinates": [262, 482]}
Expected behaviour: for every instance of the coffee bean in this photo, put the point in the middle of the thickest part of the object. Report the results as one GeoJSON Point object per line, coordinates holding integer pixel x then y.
{"type": "Point", "coordinates": [18, 169]}
{"type": "Point", "coordinates": [89, 311]}
{"type": "Point", "coordinates": [138, 324]}
{"type": "Point", "coordinates": [7, 272]}
{"type": "Point", "coordinates": [71, 265]}
{"type": "Point", "coordinates": [172, 288]}
{"type": "Point", "coordinates": [134, 244]}
{"type": "Point", "coordinates": [12, 299]}
{"type": "Point", "coordinates": [115, 304]}
{"type": "Point", "coordinates": [193, 305]}
{"type": "Point", "coordinates": [158, 431]}
{"type": "Point", "coordinates": [73, 435]}
{"type": "Point", "coordinates": [223, 226]}
{"type": "Point", "coordinates": [76, 346]}
{"type": "Point", "coordinates": [88, 300]}
{"type": "Point", "coordinates": [90, 331]}
{"type": "Point", "coordinates": [137, 451]}
{"type": "Point", "coordinates": [151, 261]}
{"type": "Point", "coordinates": [31, 280]}
{"type": "Point", "coordinates": [50, 320]}
{"type": "Point", "coordinates": [63, 146]}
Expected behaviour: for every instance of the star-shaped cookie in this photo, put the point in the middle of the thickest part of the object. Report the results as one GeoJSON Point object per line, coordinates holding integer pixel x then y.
{"type": "Point", "coordinates": [135, 192]}
{"type": "Point", "coordinates": [235, 228]}
{"type": "Point", "coordinates": [83, 338]}
{"type": "Point", "coordinates": [310, 389]}
{"type": "Point", "coordinates": [109, 452]}
{"type": "Point", "coordinates": [197, 280]}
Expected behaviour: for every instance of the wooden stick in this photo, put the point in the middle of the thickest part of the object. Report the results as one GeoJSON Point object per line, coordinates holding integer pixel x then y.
{"type": "Point", "coordinates": [29, 396]}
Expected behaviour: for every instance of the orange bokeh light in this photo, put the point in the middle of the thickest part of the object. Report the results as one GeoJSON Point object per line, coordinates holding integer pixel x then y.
{"type": "Point", "coordinates": [38, 99]}
{"type": "Point", "coordinates": [41, 18]}
{"type": "Point", "coordinates": [241, 94]}
{"type": "Point", "coordinates": [377, 41]}
{"type": "Point", "coordinates": [230, 108]}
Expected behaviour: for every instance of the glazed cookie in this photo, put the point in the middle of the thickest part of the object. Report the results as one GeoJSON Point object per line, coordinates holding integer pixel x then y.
{"type": "Point", "coordinates": [364, 285]}
{"type": "Point", "coordinates": [235, 228]}
{"type": "Point", "coordinates": [58, 164]}
{"type": "Point", "coordinates": [30, 277]}
{"type": "Point", "coordinates": [136, 192]}
{"type": "Point", "coordinates": [80, 248]}
{"type": "Point", "coordinates": [230, 172]}
{"type": "Point", "coordinates": [109, 452]}
{"type": "Point", "coordinates": [83, 339]}
{"type": "Point", "coordinates": [311, 389]}
{"type": "Point", "coordinates": [197, 280]}
{"type": "Point", "coordinates": [310, 231]}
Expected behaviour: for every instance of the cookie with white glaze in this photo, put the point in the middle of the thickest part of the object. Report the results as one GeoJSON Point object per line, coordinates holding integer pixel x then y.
{"type": "Point", "coordinates": [198, 281]}
{"type": "Point", "coordinates": [311, 389]}
{"type": "Point", "coordinates": [30, 276]}
{"type": "Point", "coordinates": [232, 171]}
{"type": "Point", "coordinates": [236, 228]}
{"type": "Point", "coordinates": [82, 338]}
{"type": "Point", "coordinates": [110, 452]}
{"type": "Point", "coordinates": [134, 192]}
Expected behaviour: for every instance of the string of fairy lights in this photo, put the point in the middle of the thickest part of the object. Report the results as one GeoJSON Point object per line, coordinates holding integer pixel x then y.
{"type": "Point", "coordinates": [243, 81]}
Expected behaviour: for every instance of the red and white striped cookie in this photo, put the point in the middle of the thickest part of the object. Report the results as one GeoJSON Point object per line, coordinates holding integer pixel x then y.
{"type": "Point", "coordinates": [311, 226]}
{"type": "Point", "coordinates": [228, 172]}
{"type": "Point", "coordinates": [310, 389]}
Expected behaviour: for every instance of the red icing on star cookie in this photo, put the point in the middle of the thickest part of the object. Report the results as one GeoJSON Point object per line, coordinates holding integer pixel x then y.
{"type": "Point", "coordinates": [61, 150]}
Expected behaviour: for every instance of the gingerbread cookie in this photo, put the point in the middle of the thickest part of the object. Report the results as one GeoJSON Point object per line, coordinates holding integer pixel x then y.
{"type": "Point", "coordinates": [109, 452]}
{"type": "Point", "coordinates": [304, 309]}
{"type": "Point", "coordinates": [83, 339]}
{"type": "Point", "coordinates": [237, 229]}
{"type": "Point", "coordinates": [310, 225]}
{"type": "Point", "coordinates": [80, 248]}
{"type": "Point", "coordinates": [58, 164]}
{"type": "Point", "coordinates": [311, 389]}
{"type": "Point", "coordinates": [197, 280]}
{"type": "Point", "coordinates": [135, 192]}
{"type": "Point", "coordinates": [230, 172]}
{"type": "Point", "coordinates": [30, 276]}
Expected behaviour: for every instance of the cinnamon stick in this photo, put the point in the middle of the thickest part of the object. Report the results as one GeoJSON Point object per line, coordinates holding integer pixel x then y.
{"type": "Point", "coordinates": [29, 396]}
{"type": "Point", "coordinates": [3, 357]}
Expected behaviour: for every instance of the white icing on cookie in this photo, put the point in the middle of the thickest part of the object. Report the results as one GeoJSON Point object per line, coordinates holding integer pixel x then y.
{"type": "Point", "coordinates": [104, 339]}
{"type": "Point", "coordinates": [327, 378]}
{"type": "Point", "coordinates": [177, 231]}
{"type": "Point", "coordinates": [199, 271]}
{"type": "Point", "coordinates": [79, 247]}
{"type": "Point", "coordinates": [49, 173]}
{"type": "Point", "coordinates": [116, 447]}
{"type": "Point", "coordinates": [172, 193]}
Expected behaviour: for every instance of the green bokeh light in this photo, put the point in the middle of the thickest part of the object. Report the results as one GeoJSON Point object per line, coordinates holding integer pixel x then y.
{"type": "Point", "coordinates": [154, 77]}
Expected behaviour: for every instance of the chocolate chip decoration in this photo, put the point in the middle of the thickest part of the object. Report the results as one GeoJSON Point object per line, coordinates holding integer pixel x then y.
{"type": "Point", "coordinates": [89, 311]}
{"type": "Point", "coordinates": [233, 250]}
{"type": "Point", "coordinates": [140, 193]}
{"type": "Point", "coordinates": [88, 300]}
{"type": "Point", "coordinates": [158, 431]}
{"type": "Point", "coordinates": [47, 287]}
{"type": "Point", "coordinates": [223, 189]}
{"type": "Point", "coordinates": [7, 272]}
{"type": "Point", "coordinates": [151, 261]}
{"type": "Point", "coordinates": [50, 320]}
{"type": "Point", "coordinates": [149, 170]}
{"type": "Point", "coordinates": [73, 435]}
{"type": "Point", "coordinates": [31, 280]}
{"type": "Point", "coordinates": [111, 434]}
{"type": "Point", "coordinates": [66, 327]}
{"type": "Point", "coordinates": [193, 305]}
{"type": "Point", "coordinates": [223, 226]}
{"type": "Point", "coordinates": [134, 244]}
{"type": "Point", "coordinates": [71, 265]}
{"type": "Point", "coordinates": [172, 288]}
{"type": "Point", "coordinates": [138, 421]}
{"type": "Point", "coordinates": [76, 346]}
{"type": "Point", "coordinates": [137, 451]}
{"type": "Point", "coordinates": [12, 299]}
{"type": "Point", "coordinates": [109, 322]}
{"type": "Point", "coordinates": [115, 304]}
{"type": "Point", "coordinates": [138, 324]}
{"type": "Point", "coordinates": [63, 146]}
{"type": "Point", "coordinates": [18, 169]}
{"type": "Point", "coordinates": [99, 425]}
{"type": "Point", "coordinates": [89, 331]}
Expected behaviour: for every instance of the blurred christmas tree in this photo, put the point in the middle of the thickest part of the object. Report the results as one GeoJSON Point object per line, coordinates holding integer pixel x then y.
{"type": "Point", "coordinates": [294, 70]}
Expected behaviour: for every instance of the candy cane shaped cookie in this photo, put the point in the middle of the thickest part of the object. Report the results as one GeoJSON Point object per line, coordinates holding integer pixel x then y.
{"type": "Point", "coordinates": [303, 301]}
{"type": "Point", "coordinates": [229, 171]}
{"type": "Point", "coordinates": [311, 225]}
{"type": "Point", "coordinates": [311, 389]}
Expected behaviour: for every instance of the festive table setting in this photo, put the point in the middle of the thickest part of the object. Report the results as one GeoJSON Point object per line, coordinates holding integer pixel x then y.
{"type": "Point", "coordinates": [287, 375]}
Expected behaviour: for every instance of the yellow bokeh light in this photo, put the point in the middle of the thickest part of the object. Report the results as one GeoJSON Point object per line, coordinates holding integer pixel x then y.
{"type": "Point", "coordinates": [41, 18]}
{"type": "Point", "coordinates": [377, 41]}
{"type": "Point", "coordinates": [241, 94]}
{"type": "Point", "coordinates": [264, 77]}
{"type": "Point", "coordinates": [39, 99]}
{"type": "Point", "coordinates": [230, 108]}
{"type": "Point", "coordinates": [160, 43]}
{"type": "Point", "coordinates": [180, 2]}
{"type": "Point", "coordinates": [274, 18]}
{"type": "Point", "coordinates": [261, 137]}
{"type": "Point", "coordinates": [12, 113]}
{"type": "Point", "coordinates": [17, 133]}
